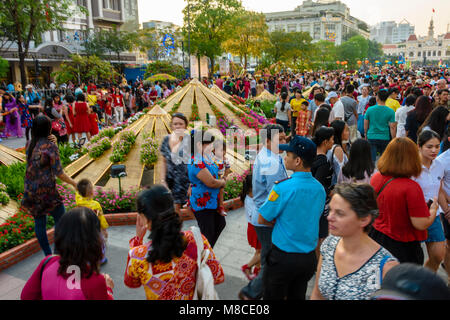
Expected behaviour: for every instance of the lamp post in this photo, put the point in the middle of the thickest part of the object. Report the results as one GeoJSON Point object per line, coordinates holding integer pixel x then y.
{"type": "Point", "coordinates": [189, 37]}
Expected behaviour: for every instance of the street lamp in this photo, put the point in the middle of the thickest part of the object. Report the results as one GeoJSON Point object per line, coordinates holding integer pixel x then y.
{"type": "Point", "coordinates": [118, 171]}
{"type": "Point", "coordinates": [189, 37]}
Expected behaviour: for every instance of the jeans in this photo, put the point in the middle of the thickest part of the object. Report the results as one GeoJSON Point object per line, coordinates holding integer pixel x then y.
{"type": "Point", "coordinates": [40, 224]}
{"type": "Point", "coordinates": [361, 124]}
{"type": "Point", "coordinates": [118, 113]}
{"type": "Point", "coordinates": [255, 288]}
{"type": "Point", "coordinates": [377, 146]}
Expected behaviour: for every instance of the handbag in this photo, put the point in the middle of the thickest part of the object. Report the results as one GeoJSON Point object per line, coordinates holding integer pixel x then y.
{"type": "Point", "coordinates": [56, 125]}
{"type": "Point", "coordinates": [204, 286]}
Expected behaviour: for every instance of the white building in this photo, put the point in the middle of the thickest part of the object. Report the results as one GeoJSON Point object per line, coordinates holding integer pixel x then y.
{"type": "Point", "coordinates": [388, 32]}
{"type": "Point", "coordinates": [422, 49]}
{"type": "Point", "coordinates": [322, 19]}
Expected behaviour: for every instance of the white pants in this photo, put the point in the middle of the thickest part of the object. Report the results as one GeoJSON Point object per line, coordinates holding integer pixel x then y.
{"type": "Point", "coordinates": [118, 113]}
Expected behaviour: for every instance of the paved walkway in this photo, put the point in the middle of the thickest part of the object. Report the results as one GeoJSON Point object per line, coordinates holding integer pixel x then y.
{"type": "Point", "coordinates": [232, 250]}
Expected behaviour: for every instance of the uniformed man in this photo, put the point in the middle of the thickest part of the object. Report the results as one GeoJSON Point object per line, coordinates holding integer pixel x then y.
{"type": "Point", "coordinates": [294, 206]}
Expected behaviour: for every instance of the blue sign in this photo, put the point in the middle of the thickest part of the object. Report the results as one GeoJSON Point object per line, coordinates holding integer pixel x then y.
{"type": "Point", "coordinates": [168, 43]}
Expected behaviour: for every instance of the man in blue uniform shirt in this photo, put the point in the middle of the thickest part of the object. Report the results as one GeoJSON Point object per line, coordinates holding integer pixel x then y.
{"type": "Point", "coordinates": [295, 206]}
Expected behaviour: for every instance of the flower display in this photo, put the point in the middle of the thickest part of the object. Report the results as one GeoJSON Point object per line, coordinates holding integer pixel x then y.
{"type": "Point", "coordinates": [97, 149]}
{"type": "Point", "coordinates": [234, 185]}
{"type": "Point", "coordinates": [195, 113]}
{"type": "Point", "coordinates": [123, 146]}
{"type": "Point", "coordinates": [149, 151]}
{"type": "Point", "coordinates": [222, 121]}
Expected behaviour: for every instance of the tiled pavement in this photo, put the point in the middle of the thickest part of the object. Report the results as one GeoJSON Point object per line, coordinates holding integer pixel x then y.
{"type": "Point", "coordinates": [231, 249]}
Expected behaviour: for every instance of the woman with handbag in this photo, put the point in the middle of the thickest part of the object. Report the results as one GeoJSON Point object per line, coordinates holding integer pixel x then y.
{"type": "Point", "coordinates": [11, 116]}
{"type": "Point", "coordinates": [403, 213]}
{"type": "Point", "coordinates": [78, 243]}
{"type": "Point", "coordinates": [58, 123]}
{"type": "Point", "coordinates": [166, 265]}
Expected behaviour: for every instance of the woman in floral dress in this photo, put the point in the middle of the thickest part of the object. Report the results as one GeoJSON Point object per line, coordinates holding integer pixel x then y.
{"type": "Point", "coordinates": [205, 186]}
{"type": "Point", "coordinates": [167, 265]}
{"type": "Point", "coordinates": [12, 117]}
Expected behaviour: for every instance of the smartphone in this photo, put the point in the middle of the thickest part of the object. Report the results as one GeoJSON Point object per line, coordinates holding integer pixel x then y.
{"type": "Point", "coordinates": [429, 203]}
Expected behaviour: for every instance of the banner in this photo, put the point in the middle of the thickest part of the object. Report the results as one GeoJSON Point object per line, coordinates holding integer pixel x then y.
{"type": "Point", "coordinates": [194, 67]}
{"type": "Point", "coordinates": [204, 70]}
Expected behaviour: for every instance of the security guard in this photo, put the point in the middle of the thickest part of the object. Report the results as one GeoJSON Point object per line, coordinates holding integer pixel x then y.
{"type": "Point", "coordinates": [295, 206]}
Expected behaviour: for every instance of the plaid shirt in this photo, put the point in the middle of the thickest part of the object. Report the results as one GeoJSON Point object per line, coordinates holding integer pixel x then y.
{"type": "Point", "coordinates": [302, 123]}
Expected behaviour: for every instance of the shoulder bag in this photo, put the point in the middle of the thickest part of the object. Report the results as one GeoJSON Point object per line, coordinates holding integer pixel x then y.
{"type": "Point", "coordinates": [204, 287]}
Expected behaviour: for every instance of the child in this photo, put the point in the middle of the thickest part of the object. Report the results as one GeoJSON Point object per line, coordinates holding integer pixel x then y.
{"type": "Point", "coordinates": [303, 120]}
{"type": "Point", "coordinates": [93, 120]}
{"type": "Point", "coordinates": [108, 108]}
{"type": "Point", "coordinates": [252, 217]}
{"type": "Point", "coordinates": [84, 198]}
{"type": "Point", "coordinates": [220, 149]}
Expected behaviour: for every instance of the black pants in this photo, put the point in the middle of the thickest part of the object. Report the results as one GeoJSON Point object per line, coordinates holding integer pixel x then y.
{"type": "Point", "coordinates": [403, 251]}
{"type": "Point", "coordinates": [211, 224]}
{"type": "Point", "coordinates": [287, 274]}
{"type": "Point", "coordinates": [293, 124]}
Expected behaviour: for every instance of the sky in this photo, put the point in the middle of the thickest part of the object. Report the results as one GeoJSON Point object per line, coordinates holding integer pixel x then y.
{"type": "Point", "coordinates": [417, 12]}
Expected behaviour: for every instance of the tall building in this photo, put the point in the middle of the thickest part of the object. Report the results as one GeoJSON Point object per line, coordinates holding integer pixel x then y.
{"type": "Point", "coordinates": [322, 19]}
{"type": "Point", "coordinates": [388, 32]}
{"type": "Point", "coordinates": [167, 30]}
{"type": "Point", "coordinates": [58, 45]}
{"type": "Point", "coordinates": [422, 50]}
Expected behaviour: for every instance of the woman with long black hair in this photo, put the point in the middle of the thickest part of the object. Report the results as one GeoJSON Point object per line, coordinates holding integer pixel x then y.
{"type": "Point", "coordinates": [360, 166]}
{"type": "Point", "coordinates": [437, 121]}
{"type": "Point", "coordinates": [338, 154]}
{"type": "Point", "coordinates": [416, 117]}
{"type": "Point", "coordinates": [41, 198]}
{"type": "Point", "coordinates": [166, 265]}
{"type": "Point", "coordinates": [283, 111]}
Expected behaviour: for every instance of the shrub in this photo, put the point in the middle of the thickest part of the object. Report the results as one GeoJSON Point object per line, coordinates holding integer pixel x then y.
{"type": "Point", "coordinates": [149, 151]}
{"type": "Point", "coordinates": [4, 198]}
{"type": "Point", "coordinates": [233, 187]}
{"type": "Point", "coordinates": [122, 147]}
{"type": "Point", "coordinates": [13, 178]}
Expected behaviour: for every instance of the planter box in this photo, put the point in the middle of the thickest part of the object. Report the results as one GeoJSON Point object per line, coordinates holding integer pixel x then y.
{"type": "Point", "coordinates": [30, 247]}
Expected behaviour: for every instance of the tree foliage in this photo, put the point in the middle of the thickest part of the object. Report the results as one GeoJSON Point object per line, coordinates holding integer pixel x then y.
{"type": "Point", "coordinates": [250, 36]}
{"type": "Point", "coordinates": [209, 25]}
{"type": "Point", "coordinates": [86, 68]}
{"type": "Point", "coordinates": [24, 21]}
{"type": "Point", "coordinates": [4, 67]}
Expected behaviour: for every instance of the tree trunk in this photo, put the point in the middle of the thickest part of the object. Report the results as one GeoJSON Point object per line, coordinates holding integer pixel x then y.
{"type": "Point", "coordinates": [211, 73]}
{"type": "Point", "coordinates": [23, 74]}
{"type": "Point", "coordinates": [245, 64]}
{"type": "Point", "coordinates": [199, 70]}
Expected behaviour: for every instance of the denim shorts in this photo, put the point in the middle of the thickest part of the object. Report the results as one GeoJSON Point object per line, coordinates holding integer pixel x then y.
{"type": "Point", "coordinates": [435, 231]}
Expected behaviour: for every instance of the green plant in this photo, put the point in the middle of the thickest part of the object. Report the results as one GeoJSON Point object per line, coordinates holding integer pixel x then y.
{"type": "Point", "coordinates": [4, 198]}
{"type": "Point", "coordinates": [149, 151]}
{"type": "Point", "coordinates": [194, 115]}
{"type": "Point", "coordinates": [65, 152]}
{"type": "Point", "coordinates": [174, 108]}
{"type": "Point", "coordinates": [122, 147]}
{"type": "Point", "coordinates": [233, 187]}
{"type": "Point", "coordinates": [97, 149]}
{"type": "Point", "coordinates": [13, 178]}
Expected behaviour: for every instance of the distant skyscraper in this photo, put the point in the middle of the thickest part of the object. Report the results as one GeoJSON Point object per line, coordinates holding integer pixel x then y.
{"type": "Point", "coordinates": [388, 32]}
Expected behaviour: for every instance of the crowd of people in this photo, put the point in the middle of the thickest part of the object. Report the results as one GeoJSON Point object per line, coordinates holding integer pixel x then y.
{"type": "Point", "coordinates": [77, 111]}
{"type": "Point", "coordinates": [373, 192]}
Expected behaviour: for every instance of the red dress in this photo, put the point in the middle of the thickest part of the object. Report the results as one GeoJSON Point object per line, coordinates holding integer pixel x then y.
{"type": "Point", "coordinates": [70, 129]}
{"type": "Point", "coordinates": [82, 123]}
{"type": "Point", "coordinates": [93, 119]}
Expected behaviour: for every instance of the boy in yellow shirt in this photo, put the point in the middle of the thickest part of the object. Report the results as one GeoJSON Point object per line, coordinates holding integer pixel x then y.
{"type": "Point", "coordinates": [84, 198]}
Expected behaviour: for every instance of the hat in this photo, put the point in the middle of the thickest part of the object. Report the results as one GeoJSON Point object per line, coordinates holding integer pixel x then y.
{"type": "Point", "coordinates": [302, 147]}
{"type": "Point", "coordinates": [408, 281]}
{"type": "Point", "coordinates": [29, 86]}
{"type": "Point", "coordinates": [332, 94]}
{"type": "Point", "coordinates": [427, 86]}
{"type": "Point", "coordinates": [419, 81]}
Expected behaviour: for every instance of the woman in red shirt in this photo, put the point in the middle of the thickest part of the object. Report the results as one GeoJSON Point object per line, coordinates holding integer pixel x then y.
{"type": "Point", "coordinates": [69, 118]}
{"type": "Point", "coordinates": [118, 104]}
{"type": "Point", "coordinates": [404, 215]}
{"type": "Point", "coordinates": [81, 113]}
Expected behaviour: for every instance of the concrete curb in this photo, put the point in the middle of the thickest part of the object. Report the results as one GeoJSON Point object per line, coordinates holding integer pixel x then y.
{"type": "Point", "coordinates": [30, 247]}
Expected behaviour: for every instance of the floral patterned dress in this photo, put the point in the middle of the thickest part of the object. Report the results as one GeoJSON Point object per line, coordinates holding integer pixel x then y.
{"type": "Point", "coordinates": [168, 281]}
{"type": "Point", "coordinates": [40, 195]}
{"type": "Point", "coordinates": [202, 197]}
{"type": "Point", "coordinates": [25, 115]}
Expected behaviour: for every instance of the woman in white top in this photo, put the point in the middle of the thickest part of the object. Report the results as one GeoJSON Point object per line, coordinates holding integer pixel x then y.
{"type": "Point", "coordinates": [338, 153]}
{"type": "Point", "coordinates": [430, 182]}
{"type": "Point", "coordinates": [360, 166]}
{"type": "Point", "coordinates": [283, 111]}
{"type": "Point", "coordinates": [402, 113]}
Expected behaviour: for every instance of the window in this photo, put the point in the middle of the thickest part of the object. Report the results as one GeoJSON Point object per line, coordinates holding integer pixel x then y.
{"type": "Point", "coordinates": [439, 53]}
{"type": "Point", "coordinates": [434, 53]}
{"type": "Point", "coordinates": [429, 53]}
{"type": "Point", "coordinates": [316, 30]}
{"type": "Point", "coordinates": [82, 3]}
{"type": "Point", "coordinates": [111, 4]}
{"type": "Point", "coordinates": [411, 54]}
{"type": "Point", "coordinates": [292, 28]}
{"type": "Point", "coordinates": [419, 54]}
{"type": "Point", "coordinates": [420, 46]}
{"type": "Point", "coordinates": [304, 27]}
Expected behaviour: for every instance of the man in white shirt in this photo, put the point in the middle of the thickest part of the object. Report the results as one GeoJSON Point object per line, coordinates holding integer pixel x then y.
{"type": "Point", "coordinates": [338, 106]}
{"type": "Point", "coordinates": [402, 113]}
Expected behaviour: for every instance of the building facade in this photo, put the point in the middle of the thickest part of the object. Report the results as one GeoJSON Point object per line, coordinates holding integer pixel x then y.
{"type": "Point", "coordinates": [58, 45]}
{"type": "Point", "coordinates": [422, 50]}
{"type": "Point", "coordinates": [389, 32]}
{"type": "Point", "coordinates": [322, 19]}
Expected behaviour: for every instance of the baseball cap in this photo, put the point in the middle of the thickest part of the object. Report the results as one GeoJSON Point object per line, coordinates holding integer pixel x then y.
{"type": "Point", "coordinates": [408, 281]}
{"type": "Point", "coordinates": [332, 94]}
{"type": "Point", "coordinates": [302, 147]}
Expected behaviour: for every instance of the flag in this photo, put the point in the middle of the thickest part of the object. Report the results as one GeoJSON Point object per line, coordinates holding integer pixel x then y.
{"type": "Point", "coordinates": [434, 10]}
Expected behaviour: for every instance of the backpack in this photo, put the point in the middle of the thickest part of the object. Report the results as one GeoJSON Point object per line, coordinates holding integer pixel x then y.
{"type": "Point", "coordinates": [204, 286]}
